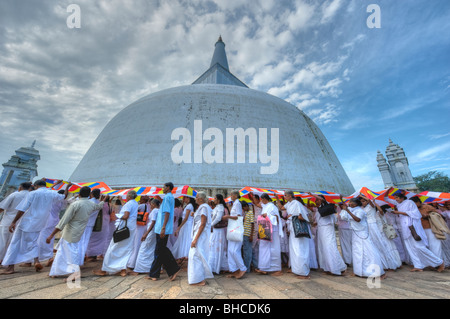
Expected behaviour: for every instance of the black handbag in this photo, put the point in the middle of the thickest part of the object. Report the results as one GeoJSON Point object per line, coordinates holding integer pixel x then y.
{"type": "Point", "coordinates": [327, 210]}
{"type": "Point", "coordinates": [98, 222]}
{"type": "Point", "coordinates": [300, 227]}
{"type": "Point", "coordinates": [121, 234]}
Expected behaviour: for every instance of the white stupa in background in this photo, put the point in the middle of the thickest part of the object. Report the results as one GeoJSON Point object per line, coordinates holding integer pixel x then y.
{"type": "Point", "coordinates": [186, 135]}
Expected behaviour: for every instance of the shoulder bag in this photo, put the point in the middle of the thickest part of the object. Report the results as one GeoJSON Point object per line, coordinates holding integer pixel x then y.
{"type": "Point", "coordinates": [300, 227]}
{"type": "Point", "coordinates": [121, 234]}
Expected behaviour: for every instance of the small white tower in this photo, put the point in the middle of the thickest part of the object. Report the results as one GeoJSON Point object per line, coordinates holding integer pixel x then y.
{"type": "Point", "coordinates": [395, 172]}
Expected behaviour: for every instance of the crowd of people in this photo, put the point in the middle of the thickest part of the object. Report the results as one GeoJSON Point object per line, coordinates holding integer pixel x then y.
{"type": "Point", "coordinates": [153, 235]}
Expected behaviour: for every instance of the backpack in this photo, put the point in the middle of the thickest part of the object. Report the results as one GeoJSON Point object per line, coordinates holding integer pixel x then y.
{"type": "Point", "coordinates": [142, 217]}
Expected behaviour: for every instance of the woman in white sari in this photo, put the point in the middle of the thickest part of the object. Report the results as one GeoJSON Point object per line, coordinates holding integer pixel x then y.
{"type": "Point", "coordinates": [390, 257]}
{"type": "Point", "coordinates": [180, 249]}
{"type": "Point", "coordinates": [218, 240]}
{"type": "Point", "coordinates": [118, 254]}
{"type": "Point", "coordinates": [364, 253]}
{"type": "Point", "coordinates": [330, 260]}
{"type": "Point", "coordinates": [418, 252]}
{"type": "Point", "coordinates": [146, 252]}
{"type": "Point", "coordinates": [299, 248]}
{"type": "Point", "coordinates": [198, 267]}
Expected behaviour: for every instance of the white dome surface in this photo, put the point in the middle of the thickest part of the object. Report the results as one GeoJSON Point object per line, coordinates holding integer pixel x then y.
{"type": "Point", "coordinates": [135, 148]}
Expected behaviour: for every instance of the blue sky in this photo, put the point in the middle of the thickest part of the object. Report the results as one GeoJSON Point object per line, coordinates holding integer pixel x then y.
{"type": "Point", "coordinates": [361, 86]}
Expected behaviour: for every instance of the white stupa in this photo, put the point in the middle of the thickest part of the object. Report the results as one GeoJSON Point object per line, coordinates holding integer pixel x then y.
{"type": "Point", "coordinates": [186, 135]}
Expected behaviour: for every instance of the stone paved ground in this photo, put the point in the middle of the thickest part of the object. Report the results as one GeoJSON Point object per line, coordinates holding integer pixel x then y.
{"type": "Point", "coordinates": [401, 284]}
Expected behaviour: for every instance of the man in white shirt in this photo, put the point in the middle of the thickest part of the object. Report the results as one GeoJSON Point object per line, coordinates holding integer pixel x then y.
{"type": "Point", "coordinates": [8, 208]}
{"type": "Point", "coordinates": [33, 211]}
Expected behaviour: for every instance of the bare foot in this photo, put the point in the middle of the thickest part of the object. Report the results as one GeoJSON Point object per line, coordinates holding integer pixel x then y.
{"type": "Point", "coordinates": [202, 283]}
{"type": "Point", "coordinates": [289, 271]}
{"type": "Point", "coordinates": [7, 272]}
{"type": "Point", "coordinates": [240, 274]}
{"type": "Point", "coordinates": [302, 277]}
{"type": "Point", "coordinates": [133, 273]}
{"type": "Point", "coordinates": [99, 272]}
{"type": "Point", "coordinates": [172, 278]}
{"type": "Point", "coordinates": [123, 272]}
{"type": "Point", "coordinates": [383, 276]}
{"type": "Point", "coordinates": [49, 262]}
{"type": "Point", "coordinates": [441, 267]}
{"type": "Point", "coordinates": [38, 267]}
{"type": "Point", "coordinates": [277, 273]}
{"type": "Point", "coordinates": [151, 278]}
{"type": "Point", "coordinates": [416, 269]}
{"type": "Point", "coordinates": [25, 265]}
{"type": "Point", "coordinates": [260, 271]}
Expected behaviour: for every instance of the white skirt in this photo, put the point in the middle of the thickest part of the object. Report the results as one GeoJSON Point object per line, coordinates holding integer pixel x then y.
{"type": "Point", "coordinates": [84, 242]}
{"type": "Point", "coordinates": [67, 259]}
{"type": "Point", "coordinates": [390, 258]}
{"type": "Point", "coordinates": [140, 230]}
{"type": "Point", "coordinates": [270, 254]}
{"type": "Point", "coordinates": [22, 249]}
{"type": "Point", "coordinates": [218, 250]}
{"type": "Point", "coordinates": [198, 267]}
{"type": "Point", "coordinates": [420, 255]}
{"type": "Point", "coordinates": [364, 256]}
{"type": "Point", "coordinates": [5, 240]}
{"type": "Point", "coordinates": [330, 259]}
{"type": "Point", "coordinates": [299, 254]}
{"type": "Point", "coordinates": [46, 250]}
{"type": "Point", "coordinates": [345, 239]}
{"type": "Point", "coordinates": [146, 254]}
{"type": "Point", "coordinates": [181, 247]}
{"type": "Point", "coordinates": [313, 264]}
{"type": "Point", "coordinates": [118, 254]}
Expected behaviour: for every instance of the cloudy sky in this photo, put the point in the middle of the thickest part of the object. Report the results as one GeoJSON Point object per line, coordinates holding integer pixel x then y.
{"type": "Point", "coordinates": [361, 85]}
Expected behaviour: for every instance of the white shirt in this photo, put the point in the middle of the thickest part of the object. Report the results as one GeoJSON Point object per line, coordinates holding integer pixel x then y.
{"type": "Point", "coordinates": [236, 210]}
{"type": "Point", "coordinates": [361, 227]}
{"type": "Point", "coordinates": [9, 205]}
{"type": "Point", "coordinates": [217, 214]}
{"type": "Point", "coordinates": [272, 213]}
{"type": "Point", "coordinates": [132, 207]}
{"type": "Point", "coordinates": [295, 208]}
{"type": "Point", "coordinates": [205, 210]}
{"type": "Point", "coordinates": [37, 206]}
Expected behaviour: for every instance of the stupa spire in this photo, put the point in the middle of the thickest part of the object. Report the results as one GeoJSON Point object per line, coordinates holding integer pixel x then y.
{"type": "Point", "coordinates": [219, 55]}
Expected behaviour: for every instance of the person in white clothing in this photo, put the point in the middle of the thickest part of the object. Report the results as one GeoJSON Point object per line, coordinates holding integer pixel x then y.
{"type": "Point", "coordinates": [180, 249]}
{"type": "Point", "coordinates": [330, 260]}
{"type": "Point", "coordinates": [73, 224]}
{"type": "Point", "coordinates": [218, 240]}
{"type": "Point", "coordinates": [235, 262]}
{"type": "Point", "coordinates": [118, 254]}
{"type": "Point", "coordinates": [33, 213]}
{"type": "Point", "coordinates": [198, 267]}
{"type": "Point", "coordinates": [390, 258]}
{"type": "Point", "coordinates": [141, 227]}
{"type": "Point", "coordinates": [146, 252]}
{"type": "Point", "coordinates": [84, 242]}
{"type": "Point", "coordinates": [46, 250]}
{"type": "Point", "coordinates": [410, 219]}
{"type": "Point", "coordinates": [345, 239]}
{"type": "Point", "coordinates": [365, 255]}
{"type": "Point", "coordinates": [8, 208]}
{"type": "Point", "coordinates": [269, 259]}
{"type": "Point", "coordinates": [299, 247]}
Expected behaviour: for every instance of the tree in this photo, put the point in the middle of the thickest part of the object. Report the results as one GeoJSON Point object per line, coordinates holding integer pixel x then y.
{"type": "Point", "coordinates": [433, 181]}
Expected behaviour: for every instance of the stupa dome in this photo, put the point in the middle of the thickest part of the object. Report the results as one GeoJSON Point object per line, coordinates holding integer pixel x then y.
{"type": "Point", "coordinates": [186, 135]}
